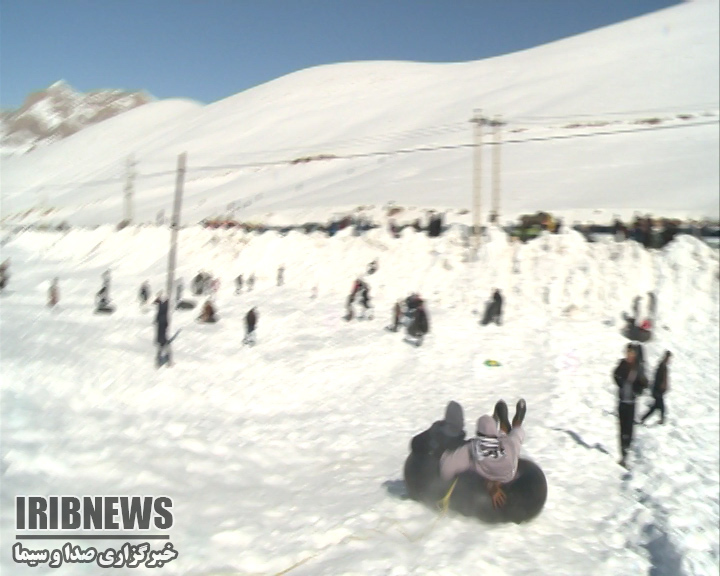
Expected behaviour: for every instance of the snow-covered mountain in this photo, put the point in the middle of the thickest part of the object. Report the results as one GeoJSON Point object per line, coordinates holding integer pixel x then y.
{"type": "Point", "coordinates": [58, 112]}
{"type": "Point", "coordinates": [617, 120]}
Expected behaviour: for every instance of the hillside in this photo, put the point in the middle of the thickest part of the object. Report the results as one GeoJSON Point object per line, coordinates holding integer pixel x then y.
{"type": "Point", "coordinates": [616, 120]}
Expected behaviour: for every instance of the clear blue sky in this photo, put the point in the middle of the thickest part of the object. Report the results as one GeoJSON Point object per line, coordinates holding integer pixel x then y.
{"type": "Point", "coordinates": [210, 49]}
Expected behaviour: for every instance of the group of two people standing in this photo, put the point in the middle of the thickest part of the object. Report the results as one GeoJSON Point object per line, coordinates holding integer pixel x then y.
{"type": "Point", "coordinates": [630, 378]}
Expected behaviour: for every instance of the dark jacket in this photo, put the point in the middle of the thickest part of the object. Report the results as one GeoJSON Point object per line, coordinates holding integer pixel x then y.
{"type": "Point", "coordinates": [660, 385]}
{"type": "Point", "coordinates": [420, 324]}
{"type": "Point", "coordinates": [498, 302]}
{"type": "Point", "coordinates": [637, 384]}
{"type": "Point", "coordinates": [446, 434]}
{"type": "Point", "coordinates": [251, 321]}
{"type": "Point", "coordinates": [161, 319]}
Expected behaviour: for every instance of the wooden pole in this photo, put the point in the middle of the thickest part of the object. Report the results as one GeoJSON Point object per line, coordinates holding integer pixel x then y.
{"type": "Point", "coordinates": [477, 176]}
{"type": "Point", "coordinates": [175, 227]}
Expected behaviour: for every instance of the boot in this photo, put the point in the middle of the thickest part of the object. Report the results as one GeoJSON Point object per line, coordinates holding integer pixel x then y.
{"type": "Point", "coordinates": [500, 415]}
{"type": "Point", "coordinates": [520, 410]}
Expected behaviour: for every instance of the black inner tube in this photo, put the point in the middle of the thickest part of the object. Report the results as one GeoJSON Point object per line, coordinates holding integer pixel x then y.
{"type": "Point", "coordinates": [526, 493]}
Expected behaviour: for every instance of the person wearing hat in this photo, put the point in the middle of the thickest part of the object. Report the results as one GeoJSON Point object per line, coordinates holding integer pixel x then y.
{"type": "Point", "coordinates": [631, 382]}
{"type": "Point", "coordinates": [445, 434]}
{"type": "Point", "coordinates": [492, 453]}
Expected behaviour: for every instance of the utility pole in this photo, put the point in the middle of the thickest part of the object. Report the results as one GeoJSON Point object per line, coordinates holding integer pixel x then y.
{"type": "Point", "coordinates": [477, 157]}
{"type": "Point", "coordinates": [496, 124]}
{"type": "Point", "coordinates": [129, 185]}
{"type": "Point", "coordinates": [175, 226]}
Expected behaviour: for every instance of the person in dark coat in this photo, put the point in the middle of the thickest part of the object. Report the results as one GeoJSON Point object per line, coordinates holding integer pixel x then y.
{"type": "Point", "coordinates": [251, 319]}
{"type": "Point", "coordinates": [238, 284]}
{"type": "Point", "coordinates": [493, 311]}
{"type": "Point", "coordinates": [420, 325]}
{"type": "Point", "coordinates": [445, 434]}
{"type": "Point", "coordinates": [144, 294]}
{"type": "Point", "coordinates": [162, 323]}
{"type": "Point", "coordinates": [54, 294]}
{"type": "Point", "coordinates": [660, 387]}
{"type": "Point", "coordinates": [4, 273]}
{"type": "Point", "coordinates": [630, 383]}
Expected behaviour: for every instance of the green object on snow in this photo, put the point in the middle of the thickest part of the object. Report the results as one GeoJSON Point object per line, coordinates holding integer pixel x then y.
{"type": "Point", "coordinates": [492, 363]}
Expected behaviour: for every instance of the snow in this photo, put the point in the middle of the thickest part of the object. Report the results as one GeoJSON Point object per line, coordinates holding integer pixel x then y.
{"type": "Point", "coordinates": [618, 120]}
{"type": "Point", "coordinates": [288, 454]}
{"type": "Point", "coordinates": [286, 458]}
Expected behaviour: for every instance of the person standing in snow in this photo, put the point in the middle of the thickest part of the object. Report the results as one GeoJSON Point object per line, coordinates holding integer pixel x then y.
{"type": "Point", "coordinates": [660, 387]}
{"type": "Point", "coordinates": [443, 435]}
{"type": "Point", "coordinates": [53, 294]}
{"type": "Point", "coordinates": [144, 293]}
{"type": "Point", "coordinates": [281, 275]}
{"type": "Point", "coordinates": [493, 311]}
{"type": "Point", "coordinates": [251, 282]}
{"type": "Point", "coordinates": [162, 323]}
{"type": "Point", "coordinates": [492, 453]}
{"type": "Point", "coordinates": [420, 325]}
{"type": "Point", "coordinates": [630, 382]}
{"type": "Point", "coordinates": [251, 319]}
{"type": "Point", "coordinates": [238, 284]}
{"type": "Point", "coordinates": [4, 273]}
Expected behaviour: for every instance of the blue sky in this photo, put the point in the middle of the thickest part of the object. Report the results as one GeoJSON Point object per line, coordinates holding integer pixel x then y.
{"type": "Point", "coordinates": [210, 49]}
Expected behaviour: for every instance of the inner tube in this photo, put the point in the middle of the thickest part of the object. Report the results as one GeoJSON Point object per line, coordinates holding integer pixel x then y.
{"type": "Point", "coordinates": [526, 493]}
{"type": "Point", "coordinates": [186, 305]}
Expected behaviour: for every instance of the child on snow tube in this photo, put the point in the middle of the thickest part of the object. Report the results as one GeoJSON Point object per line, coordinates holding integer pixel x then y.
{"type": "Point", "coordinates": [484, 477]}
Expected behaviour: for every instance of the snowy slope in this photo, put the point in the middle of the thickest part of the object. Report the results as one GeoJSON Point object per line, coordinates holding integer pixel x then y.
{"type": "Point", "coordinates": [651, 83]}
{"type": "Point", "coordinates": [284, 458]}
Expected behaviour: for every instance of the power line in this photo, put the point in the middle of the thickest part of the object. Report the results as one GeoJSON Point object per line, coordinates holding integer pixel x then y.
{"type": "Point", "coordinates": [374, 154]}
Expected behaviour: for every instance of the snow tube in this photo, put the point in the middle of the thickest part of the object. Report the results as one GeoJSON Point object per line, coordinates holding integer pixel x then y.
{"type": "Point", "coordinates": [526, 493]}
{"type": "Point", "coordinates": [186, 305]}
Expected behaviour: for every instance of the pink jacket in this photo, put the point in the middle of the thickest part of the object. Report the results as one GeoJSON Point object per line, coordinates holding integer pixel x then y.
{"type": "Point", "coordinates": [497, 469]}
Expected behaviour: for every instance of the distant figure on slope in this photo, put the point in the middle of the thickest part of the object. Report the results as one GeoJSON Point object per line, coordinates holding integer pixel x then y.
{"type": "Point", "coordinates": [144, 294]}
{"type": "Point", "coordinates": [419, 326]}
{"type": "Point", "coordinates": [4, 273]}
{"type": "Point", "coordinates": [361, 292]}
{"type": "Point", "coordinates": [238, 284]}
{"type": "Point", "coordinates": [208, 314]}
{"type": "Point", "coordinates": [251, 282]}
{"type": "Point", "coordinates": [53, 293]}
{"type": "Point", "coordinates": [251, 319]}
{"type": "Point", "coordinates": [372, 267]}
{"type": "Point", "coordinates": [660, 387]}
{"type": "Point", "coordinates": [493, 453]}
{"type": "Point", "coordinates": [631, 384]}
{"type": "Point", "coordinates": [493, 310]}
{"type": "Point", "coordinates": [102, 298]}
{"type": "Point", "coordinates": [443, 435]}
{"type": "Point", "coordinates": [162, 323]}
{"type": "Point", "coordinates": [281, 275]}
